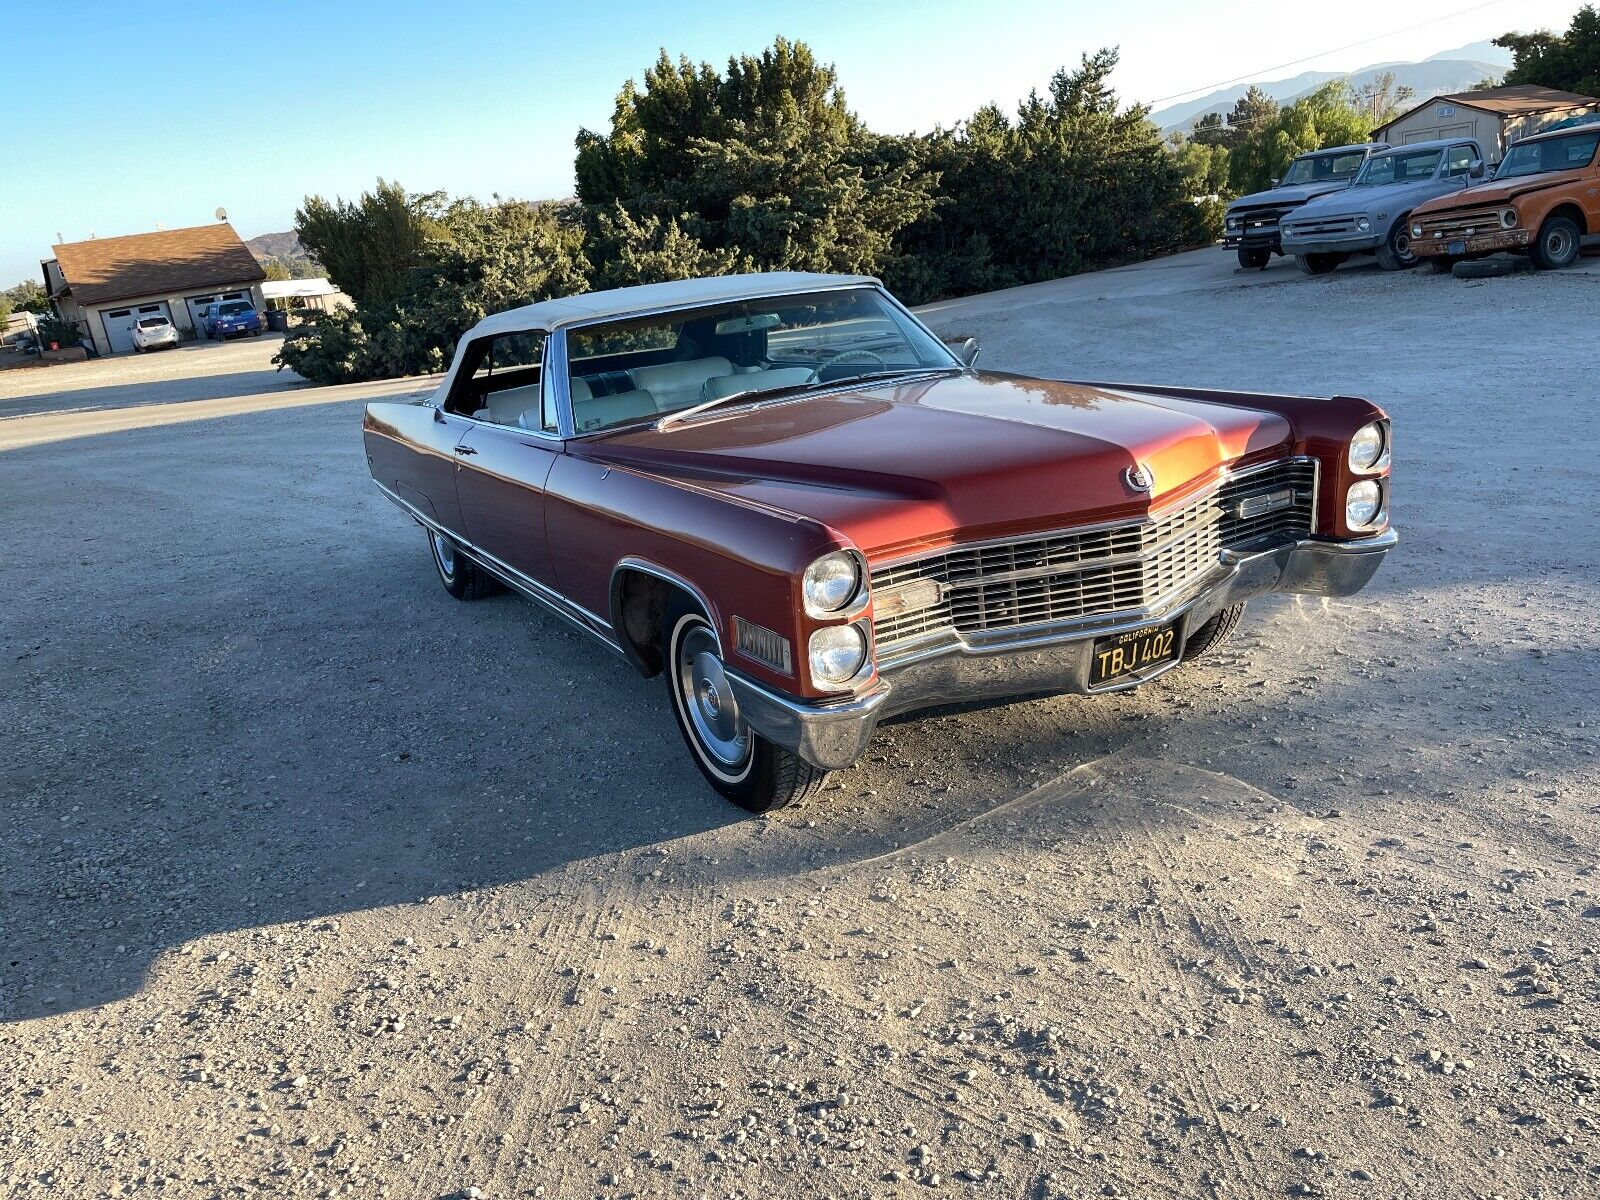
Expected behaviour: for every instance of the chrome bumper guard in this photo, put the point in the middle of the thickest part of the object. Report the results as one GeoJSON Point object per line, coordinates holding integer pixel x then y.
{"type": "Point", "coordinates": [1041, 659]}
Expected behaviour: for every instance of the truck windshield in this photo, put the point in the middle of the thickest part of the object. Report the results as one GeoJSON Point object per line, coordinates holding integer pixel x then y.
{"type": "Point", "coordinates": [1554, 154]}
{"type": "Point", "coordinates": [1409, 167]}
{"type": "Point", "coordinates": [1317, 168]}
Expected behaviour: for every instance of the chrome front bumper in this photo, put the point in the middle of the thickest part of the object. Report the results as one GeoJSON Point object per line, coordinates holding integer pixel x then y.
{"type": "Point", "coordinates": [1044, 659]}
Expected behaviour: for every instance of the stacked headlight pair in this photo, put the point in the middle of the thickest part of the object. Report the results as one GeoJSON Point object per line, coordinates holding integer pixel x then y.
{"type": "Point", "coordinates": [835, 586]}
{"type": "Point", "coordinates": [1364, 506]}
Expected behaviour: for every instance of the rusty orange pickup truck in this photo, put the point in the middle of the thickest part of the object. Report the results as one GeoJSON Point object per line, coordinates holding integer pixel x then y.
{"type": "Point", "coordinates": [1542, 200]}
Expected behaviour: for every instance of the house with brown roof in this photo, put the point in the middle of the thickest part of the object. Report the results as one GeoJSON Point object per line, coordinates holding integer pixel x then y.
{"type": "Point", "coordinates": [106, 285]}
{"type": "Point", "coordinates": [1496, 117]}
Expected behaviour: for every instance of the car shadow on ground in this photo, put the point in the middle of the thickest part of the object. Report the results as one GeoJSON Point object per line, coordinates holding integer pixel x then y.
{"type": "Point", "coordinates": [191, 376]}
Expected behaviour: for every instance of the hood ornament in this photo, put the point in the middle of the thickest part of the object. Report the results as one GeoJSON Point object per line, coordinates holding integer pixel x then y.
{"type": "Point", "coordinates": [1139, 477]}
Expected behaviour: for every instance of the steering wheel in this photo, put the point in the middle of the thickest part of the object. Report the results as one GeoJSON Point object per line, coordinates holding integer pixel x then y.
{"type": "Point", "coordinates": [883, 363]}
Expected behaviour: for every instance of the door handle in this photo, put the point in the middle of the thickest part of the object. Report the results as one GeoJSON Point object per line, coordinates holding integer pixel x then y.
{"type": "Point", "coordinates": [465, 450]}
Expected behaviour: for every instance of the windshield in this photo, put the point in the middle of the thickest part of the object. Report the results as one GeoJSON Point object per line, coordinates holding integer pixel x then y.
{"type": "Point", "coordinates": [643, 368]}
{"type": "Point", "coordinates": [1399, 167]}
{"type": "Point", "coordinates": [1555, 154]}
{"type": "Point", "coordinates": [232, 308]}
{"type": "Point", "coordinates": [1317, 168]}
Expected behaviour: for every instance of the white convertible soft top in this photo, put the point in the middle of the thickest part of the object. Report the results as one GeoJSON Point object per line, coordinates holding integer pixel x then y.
{"type": "Point", "coordinates": [652, 297]}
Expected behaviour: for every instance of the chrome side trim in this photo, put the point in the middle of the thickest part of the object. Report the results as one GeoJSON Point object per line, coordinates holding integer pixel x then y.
{"type": "Point", "coordinates": [514, 579]}
{"type": "Point", "coordinates": [633, 562]}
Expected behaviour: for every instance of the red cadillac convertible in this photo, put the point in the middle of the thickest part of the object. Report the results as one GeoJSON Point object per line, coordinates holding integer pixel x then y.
{"type": "Point", "coordinates": [787, 496]}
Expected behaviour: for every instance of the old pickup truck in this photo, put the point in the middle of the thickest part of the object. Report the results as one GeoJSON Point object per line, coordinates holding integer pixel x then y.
{"type": "Point", "coordinates": [1250, 224]}
{"type": "Point", "coordinates": [1373, 215]}
{"type": "Point", "coordinates": [786, 496]}
{"type": "Point", "coordinates": [1543, 199]}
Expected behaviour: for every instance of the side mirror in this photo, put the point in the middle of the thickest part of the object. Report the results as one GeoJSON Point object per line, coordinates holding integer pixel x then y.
{"type": "Point", "coordinates": [1274, 181]}
{"type": "Point", "coordinates": [965, 349]}
{"type": "Point", "coordinates": [1476, 168]}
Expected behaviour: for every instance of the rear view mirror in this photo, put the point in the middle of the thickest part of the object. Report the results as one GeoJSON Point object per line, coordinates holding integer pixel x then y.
{"type": "Point", "coordinates": [748, 324]}
{"type": "Point", "coordinates": [965, 349]}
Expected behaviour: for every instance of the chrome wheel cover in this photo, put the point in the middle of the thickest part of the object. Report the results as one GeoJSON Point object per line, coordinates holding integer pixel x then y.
{"type": "Point", "coordinates": [1557, 244]}
{"type": "Point", "coordinates": [708, 702]}
{"type": "Point", "coordinates": [444, 555]}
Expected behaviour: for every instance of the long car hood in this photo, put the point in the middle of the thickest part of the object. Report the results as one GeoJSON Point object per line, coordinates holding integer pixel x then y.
{"type": "Point", "coordinates": [896, 465]}
{"type": "Point", "coordinates": [1388, 199]}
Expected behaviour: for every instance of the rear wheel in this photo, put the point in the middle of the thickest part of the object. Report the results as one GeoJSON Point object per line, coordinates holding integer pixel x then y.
{"type": "Point", "coordinates": [1317, 264]}
{"type": "Point", "coordinates": [745, 767]}
{"type": "Point", "coordinates": [462, 577]}
{"type": "Point", "coordinates": [1254, 258]}
{"type": "Point", "coordinates": [1396, 253]}
{"type": "Point", "coordinates": [1557, 244]}
{"type": "Point", "coordinates": [1214, 632]}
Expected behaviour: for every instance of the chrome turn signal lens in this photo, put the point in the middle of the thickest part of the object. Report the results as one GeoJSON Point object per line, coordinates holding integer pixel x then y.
{"type": "Point", "coordinates": [831, 583]}
{"type": "Point", "coordinates": [1369, 448]}
{"type": "Point", "coordinates": [1363, 504]}
{"type": "Point", "coordinates": [837, 654]}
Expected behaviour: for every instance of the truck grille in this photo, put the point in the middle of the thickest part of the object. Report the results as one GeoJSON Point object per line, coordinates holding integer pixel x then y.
{"type": "Point", "coordinates": [1322, 227]}
{"type": "Point", "coordinates": [1260, 220]}
{"type": "Point", "coordinates": [1461, 225]}
{"type": "Point", "coordinates": [1065, 576]}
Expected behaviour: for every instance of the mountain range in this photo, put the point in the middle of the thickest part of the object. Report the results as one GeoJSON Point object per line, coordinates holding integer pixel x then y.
{"type": "Point", "coordinates": [1448, 71]}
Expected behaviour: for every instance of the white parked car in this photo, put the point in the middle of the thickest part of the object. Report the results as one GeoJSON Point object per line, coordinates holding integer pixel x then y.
{"type": "Point", "coordinates": [154, 333]}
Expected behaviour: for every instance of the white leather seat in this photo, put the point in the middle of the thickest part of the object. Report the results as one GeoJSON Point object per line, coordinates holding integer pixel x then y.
{"type": "Point", "coordinates": [679, 384]}
{"type": "Point", "coordinates": [596, 412]}
{"type": "Point", "coordinates": [508, 407]}
{"type": "Point", "coordinates": [759, 380]}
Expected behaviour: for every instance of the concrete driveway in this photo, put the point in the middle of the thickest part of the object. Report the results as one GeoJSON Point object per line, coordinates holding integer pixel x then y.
{"type": "Point", "coordinates": [314, 880]}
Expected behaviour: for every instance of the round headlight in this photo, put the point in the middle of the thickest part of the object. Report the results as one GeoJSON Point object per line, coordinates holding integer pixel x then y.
{"type": "Point", "coordinates": [1368, 447]}
{"type": "Point", "coordinates": [838, 652]}
{"type": "Point", "coordinates": [1416, 231]}
{"type": "Point", "coordinates": [1363, 224]}
{"type": "Point", "coordinates": [1362, 504]}
{"type": "Point", "coordinates": [1508, 218]}
{"type": "Point", "coordinates": [1233, 222]}
{"type": "Point", "coordinates": [830, 583]}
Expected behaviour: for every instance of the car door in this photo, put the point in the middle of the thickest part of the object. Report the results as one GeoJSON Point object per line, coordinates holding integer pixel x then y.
{"type": "Point", "coordinates": [411, 453]}
{"type": "Point", "coordinates": [505, 457]}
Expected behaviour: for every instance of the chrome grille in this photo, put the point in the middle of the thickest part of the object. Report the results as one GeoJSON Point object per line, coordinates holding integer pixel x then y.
{"type": "Point", "coordinates": [1069, 575]}
{"type": "Point", "coordinates": [1461, 225]}
{"type": "Point", "coordinates": [1253, 220]}
{"type": "Point", "coordinates": [1321, 227]}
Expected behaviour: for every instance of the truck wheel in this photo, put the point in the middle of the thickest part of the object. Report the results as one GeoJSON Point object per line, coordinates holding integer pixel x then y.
{"type": "Point", "coordinates": [1396, 254]}
{"type": "Point", "coordinates": [1213, 633]}
{"type": "Point", "coordinates": [1557, 244]}
{"type": "Point", "coordinates": [747, 769]}
{"type": "Point", "coordinates": [461, 577]}
{"type": "Point", "coordinates": [1254, 258]}
{"type": "Point", "coordinates": [1317, 264]}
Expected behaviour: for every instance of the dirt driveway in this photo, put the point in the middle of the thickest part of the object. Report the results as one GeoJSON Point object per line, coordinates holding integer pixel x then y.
{"type": "Point", "coordinates": [317, 882]}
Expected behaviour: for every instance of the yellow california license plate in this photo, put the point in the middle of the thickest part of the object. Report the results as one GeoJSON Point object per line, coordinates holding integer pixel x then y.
{"type": "Point", "coordinates": [1129, 654]}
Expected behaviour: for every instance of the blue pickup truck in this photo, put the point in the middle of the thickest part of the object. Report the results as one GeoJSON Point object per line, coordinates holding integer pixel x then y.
{"type": "Point", "coordinates": [1251, 223]}
{"type": "Point", "coordinates": [1373, 215]}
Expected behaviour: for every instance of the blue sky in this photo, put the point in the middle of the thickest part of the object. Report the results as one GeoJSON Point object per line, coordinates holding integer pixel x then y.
{"type": "Point", "coordinates": [129, 116]}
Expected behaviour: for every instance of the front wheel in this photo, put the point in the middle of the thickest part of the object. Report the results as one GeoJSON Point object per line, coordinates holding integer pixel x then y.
{"type": "Point", "coordinates": [745, 767]}
{"type": "Point", "coordinates": [1557, 244]}
{"type": "Point", "coordinates": [1214, 632]}
{"type": "Point", "coordinates": [1396, 253]}
{"type": "Point", "coordinates": [1254, 258]}
{"type": "Point", "coordinates": [1317, 264]}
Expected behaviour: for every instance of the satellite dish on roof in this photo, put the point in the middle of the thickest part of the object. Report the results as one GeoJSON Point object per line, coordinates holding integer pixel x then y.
{"type": "Point", "coordinates": [222, 213]}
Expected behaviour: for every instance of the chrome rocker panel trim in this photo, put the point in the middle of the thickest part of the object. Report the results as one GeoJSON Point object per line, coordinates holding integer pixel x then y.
{"type": "Point", "coordinates": [1037, 660]}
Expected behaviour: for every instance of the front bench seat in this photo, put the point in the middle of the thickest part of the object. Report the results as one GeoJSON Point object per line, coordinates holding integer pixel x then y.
{"type": "Point", "coordinates": [590, 412]}
{"type": "Point", "coordinates": [761, 378]}
{"type": "Point", "coordinates": [677, 385]}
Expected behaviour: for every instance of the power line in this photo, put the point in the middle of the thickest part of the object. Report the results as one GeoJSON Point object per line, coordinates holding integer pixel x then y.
{"type": "Point", "coordinates": [1465, 12]}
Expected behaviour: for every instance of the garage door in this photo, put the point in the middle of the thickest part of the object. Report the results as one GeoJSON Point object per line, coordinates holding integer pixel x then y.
{"type": "Point", "coordinates": [119, 323]}
{"type": "Point", "coordinates": [197, 305]}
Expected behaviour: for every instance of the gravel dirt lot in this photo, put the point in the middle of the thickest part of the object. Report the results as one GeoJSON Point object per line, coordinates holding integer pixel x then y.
{"type": "Point", "coordinates": [316, 882]}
